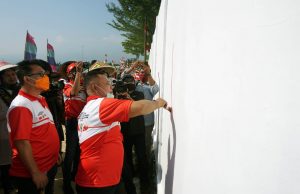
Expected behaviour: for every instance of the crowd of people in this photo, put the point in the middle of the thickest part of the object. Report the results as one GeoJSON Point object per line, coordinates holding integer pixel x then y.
{"type": "Point", "coordinates": [108, 119]}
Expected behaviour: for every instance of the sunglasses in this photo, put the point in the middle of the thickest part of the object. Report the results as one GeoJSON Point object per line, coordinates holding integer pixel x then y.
{"type": "Point", "coordinates": [40, 74]}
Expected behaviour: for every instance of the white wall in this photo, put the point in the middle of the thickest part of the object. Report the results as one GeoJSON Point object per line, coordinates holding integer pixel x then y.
{"type": "Point", "coordinates": [231, 71]}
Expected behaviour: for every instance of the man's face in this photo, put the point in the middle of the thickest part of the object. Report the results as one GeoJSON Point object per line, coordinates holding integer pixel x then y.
{"type": "Point", "coordinates": [9, 77]}
{"type": "Point", "coordinates": [105, 84]}
{"type": "Point", "coordinates": [37, 73]}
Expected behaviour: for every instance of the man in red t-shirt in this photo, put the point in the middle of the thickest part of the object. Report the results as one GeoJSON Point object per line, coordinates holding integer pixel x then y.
{"type": "Point", "coordinates": [100, 138]}
{"type": "Point", "coordinates": [34, 138]}
{"type": "Point", "coordinates": [74, 99]}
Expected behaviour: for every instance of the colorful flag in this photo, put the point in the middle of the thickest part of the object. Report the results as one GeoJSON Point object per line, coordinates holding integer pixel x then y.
{"type": "Point", "coordinates": [50, 56]}
{"type": "Point", "coordinates": [30, 48]}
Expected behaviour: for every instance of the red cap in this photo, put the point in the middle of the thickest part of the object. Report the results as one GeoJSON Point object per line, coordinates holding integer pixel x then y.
{"type": "Point", "coordinates": [71, 67]}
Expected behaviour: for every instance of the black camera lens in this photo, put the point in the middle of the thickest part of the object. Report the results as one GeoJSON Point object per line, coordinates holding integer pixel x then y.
{"type": "Point", "coordinates": [59, 85]}
{"type": "Point", "coordinates": [85, 65]}
{"type": "Point", "coordinates": [120, 87]}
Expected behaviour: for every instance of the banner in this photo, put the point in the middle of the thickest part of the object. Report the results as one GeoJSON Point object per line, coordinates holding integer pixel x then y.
{"type": "Point", "coordinates": [230, 71]}
{"type": "Point", "coordinates": [50, 56]}
{"type": "Point", "coordinates": [30, 48]}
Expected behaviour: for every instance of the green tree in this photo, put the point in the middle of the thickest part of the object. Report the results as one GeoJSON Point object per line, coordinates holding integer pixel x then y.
{"type": "Point", "coordinates": [136, 19]}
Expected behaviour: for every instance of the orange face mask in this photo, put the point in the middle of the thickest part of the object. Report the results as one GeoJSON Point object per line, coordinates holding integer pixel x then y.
{"type": "Point", "coordinates": [43, 83]}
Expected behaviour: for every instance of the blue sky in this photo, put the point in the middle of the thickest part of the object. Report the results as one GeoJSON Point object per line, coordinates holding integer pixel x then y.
{"type": "Point", "coordinates": [77, 29]}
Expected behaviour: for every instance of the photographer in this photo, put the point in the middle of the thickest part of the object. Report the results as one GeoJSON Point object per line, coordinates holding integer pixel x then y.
{"type": "Point", "coordinates": [134, 135]}
{"type": "Point", "coordinates": [149, 87]}
{"type": "Point", "coordinates": [54, 98]}
{"type": "Point", "coordinates": [75, 99]}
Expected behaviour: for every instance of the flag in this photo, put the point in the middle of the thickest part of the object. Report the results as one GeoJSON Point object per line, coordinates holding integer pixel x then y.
{"type": "Point", "coordinates": [50, 56]}
{"type": "Point", "coordinates": [30, 48]}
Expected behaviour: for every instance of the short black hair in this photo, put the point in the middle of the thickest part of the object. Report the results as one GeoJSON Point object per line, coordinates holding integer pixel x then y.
{"type": "Point", "coordinates": [24, 68]}
{"type": "Point", "coordinates": [92, 75]}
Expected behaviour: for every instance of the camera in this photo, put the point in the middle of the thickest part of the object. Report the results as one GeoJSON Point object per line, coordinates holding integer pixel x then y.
{"type": "Point", "coordinates": [57, 85]}
{"type": "Point", "coordinates": [120, 90]}
{"type": "Point", "coordinates": [85, 65]}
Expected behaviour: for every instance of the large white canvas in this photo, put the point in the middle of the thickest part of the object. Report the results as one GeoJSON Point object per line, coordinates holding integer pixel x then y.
{"type": "Point", "coordinates": [230, 70]}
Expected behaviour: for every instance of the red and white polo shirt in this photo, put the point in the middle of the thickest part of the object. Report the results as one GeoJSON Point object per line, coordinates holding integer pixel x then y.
{"type": "Point", "coordinates": [29, 118]}
{"type": "Point", "coordinates": [100, 139]}
{"type": "Point", "coordinates": [73, 104]}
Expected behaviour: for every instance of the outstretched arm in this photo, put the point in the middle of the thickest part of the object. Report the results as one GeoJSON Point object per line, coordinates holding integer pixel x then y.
{"type": "Point", "coordinates": [143, 107]}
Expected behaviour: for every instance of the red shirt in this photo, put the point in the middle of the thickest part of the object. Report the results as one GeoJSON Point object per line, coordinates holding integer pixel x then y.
{"type": "Point", "coordinates": [29, 118]}
{"type": "Point", "coordinates": [100, 138]}
{"type": "Point", "coordinates": [73, 104]}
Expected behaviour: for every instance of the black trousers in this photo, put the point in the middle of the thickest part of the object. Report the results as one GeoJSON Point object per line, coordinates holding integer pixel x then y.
{"type": "Point", "coordinates": [127, 176]}
{"type": "Point", "coordinates": [138, 141]}
{"type": "Point", "coordinates": [5, 179]}
{"type": "Point", "coordinates": [91, 190]}
{"type": "Point", "coordinates": [26, 185]}
{"type": "Point", "coordinates": [51, 179]}
{"type": "Point", "coordinates": [72, 154]}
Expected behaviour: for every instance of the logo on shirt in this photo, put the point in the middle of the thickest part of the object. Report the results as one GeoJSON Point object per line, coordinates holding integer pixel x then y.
{"type": "Point", "coordinates": [83, 115]}
{"type": "Point", "coordinates": [42, 115]}
{"type": "Point", "coordinates": [81, 118]}
{"type": "Point", "coordinates": [82, 127]}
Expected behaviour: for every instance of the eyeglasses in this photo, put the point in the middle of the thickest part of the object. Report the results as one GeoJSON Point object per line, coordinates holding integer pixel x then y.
{"type": "Point", "coordinates": [40, 74]}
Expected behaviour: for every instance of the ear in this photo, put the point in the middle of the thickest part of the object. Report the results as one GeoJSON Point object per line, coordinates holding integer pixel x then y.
{"type": "Point", "coordinates": [28, 80]}
{"type": "Point", "coordinates": [93, 88]}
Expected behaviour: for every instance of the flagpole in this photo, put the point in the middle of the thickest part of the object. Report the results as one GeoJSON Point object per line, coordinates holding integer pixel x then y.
{"type": "Point", "coordinates": [25, 44]}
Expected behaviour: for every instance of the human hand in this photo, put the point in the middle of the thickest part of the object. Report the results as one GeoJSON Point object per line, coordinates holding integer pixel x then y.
{"type": "Point", "coordinates": [161, 102]}
{"type": "Point", "coordinates": [147, 69]}
{"type": "Point", "coordinates": [79, 67]}
{"type": "Point", "coordinates": [40, 179]}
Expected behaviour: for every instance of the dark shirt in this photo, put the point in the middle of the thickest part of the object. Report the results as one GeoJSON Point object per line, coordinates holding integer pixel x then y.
{"type": "Point", "coordinates": [136, 125]}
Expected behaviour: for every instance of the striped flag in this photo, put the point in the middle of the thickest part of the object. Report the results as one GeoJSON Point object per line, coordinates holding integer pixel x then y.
{"type": "Point", "coordinates": [50, 56]}
{"type": "Point", "coordinates": [30, 48]}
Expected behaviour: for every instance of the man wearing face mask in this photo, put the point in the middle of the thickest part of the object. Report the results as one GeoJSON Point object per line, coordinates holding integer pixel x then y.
{"type": "Point", "coordinates": [34, 138]}
{"type": "Point", "coordinates": [100, 139]}
{"type": "Point", "coordinates": [75, 99]}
